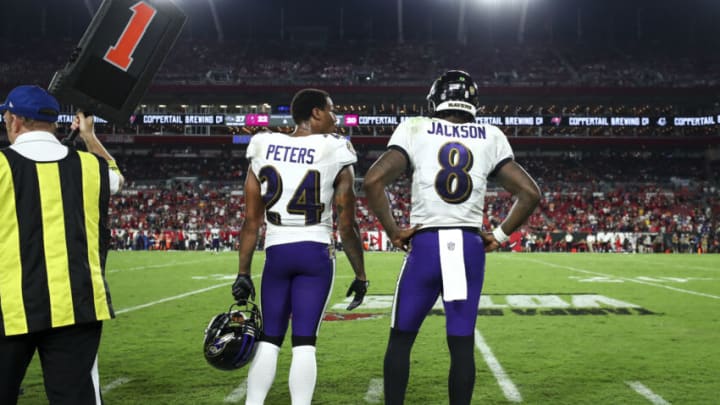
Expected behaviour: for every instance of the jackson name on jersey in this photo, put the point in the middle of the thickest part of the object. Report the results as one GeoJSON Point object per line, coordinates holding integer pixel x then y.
{"type": "Point", "coordinates": [451, 164]}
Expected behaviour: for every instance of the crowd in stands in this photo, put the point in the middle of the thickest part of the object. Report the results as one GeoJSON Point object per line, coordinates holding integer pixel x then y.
{"type": "Point", "coordinates": [620, 198]}
{"type": "Point", "coordinates": [263, 62]}
{"type": "Point", "coordinates": [607, 201]}
{"type": "Point", "coordinates": [411, 63]}
{"type": "Point", "coordinates": [387, 63]}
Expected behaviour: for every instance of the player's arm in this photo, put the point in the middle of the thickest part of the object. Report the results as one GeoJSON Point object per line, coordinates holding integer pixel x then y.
{"type": "Point", "coordinates": [384, 171]}
{"type": "Point", "coordinates": [347, 223]}
{"type": "Point", "coordinates": [513, 178]}
{"type": "Point", "coordinates": [254, 211]}
{"type": "Point", "coordinates": [350, 233]}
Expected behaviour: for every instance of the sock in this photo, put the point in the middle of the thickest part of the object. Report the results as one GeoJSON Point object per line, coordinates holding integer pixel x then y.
{"type": "Point", "coordinates": [461, 379]}
{"type": "Point", "coordinates": [262, 373]}
{"type": "Point", "coordinates": [397, 366]}
{"type": "Point", "coordinates": [303, 375]}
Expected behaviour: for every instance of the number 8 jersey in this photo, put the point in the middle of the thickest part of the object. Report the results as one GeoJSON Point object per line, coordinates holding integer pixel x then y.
{"type": "Point", "coordinates": [296, 177]}
{"type": "Point", "coordinates": [451, 164]}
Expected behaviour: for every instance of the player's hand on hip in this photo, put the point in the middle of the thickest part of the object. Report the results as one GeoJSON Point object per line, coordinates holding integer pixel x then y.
{"type": "Point", "coordinates": [489, 241]}
{"type": "Point", "coordinates": [359, 288]}
{"type": "Point", "coordinates": [401, 239]}
{"type": "Point", "coordinates": [243, 288]}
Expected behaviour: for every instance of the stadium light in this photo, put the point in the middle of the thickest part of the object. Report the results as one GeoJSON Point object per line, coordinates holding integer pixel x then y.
{"type": "Point", "coordinates": [498, 3]}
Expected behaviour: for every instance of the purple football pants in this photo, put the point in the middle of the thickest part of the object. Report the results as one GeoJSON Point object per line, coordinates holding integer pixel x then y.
{"type": "Point", "coordinates": [420, 283]}
{"type": "Point", "coordinates": [297, 281]}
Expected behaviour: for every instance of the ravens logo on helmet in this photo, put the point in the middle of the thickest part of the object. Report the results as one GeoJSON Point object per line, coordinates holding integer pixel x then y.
{"type": "Point", "coordinates": [453, 91]}
{"type": "Point", "coordinates": [231, 337]}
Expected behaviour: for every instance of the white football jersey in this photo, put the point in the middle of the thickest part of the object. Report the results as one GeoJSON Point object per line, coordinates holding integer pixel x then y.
{"type": "Point", "coordinates": [451, 164]}
{"type": "Point", "coordinates": [296, 176]}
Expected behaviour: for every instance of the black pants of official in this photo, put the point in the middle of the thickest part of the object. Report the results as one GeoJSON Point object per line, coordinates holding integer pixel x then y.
{"type": "Point", "coordinates": [67, 357]}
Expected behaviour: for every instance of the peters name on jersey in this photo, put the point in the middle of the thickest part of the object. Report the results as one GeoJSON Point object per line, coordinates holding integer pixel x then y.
{"type": "Point", "coordinates": [292, 154]}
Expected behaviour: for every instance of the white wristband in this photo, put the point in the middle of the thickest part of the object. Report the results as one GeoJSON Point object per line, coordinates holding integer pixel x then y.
{"type": "Point", "coordinates": [500, 235]}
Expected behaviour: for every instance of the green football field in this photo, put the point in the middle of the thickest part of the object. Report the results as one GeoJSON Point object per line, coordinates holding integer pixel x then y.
{"type": "Point", "coordinates": [552, 329]}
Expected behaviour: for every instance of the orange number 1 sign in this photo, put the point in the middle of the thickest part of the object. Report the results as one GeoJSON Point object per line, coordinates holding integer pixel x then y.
{"type": "Point", "coordinates": [120, 54]}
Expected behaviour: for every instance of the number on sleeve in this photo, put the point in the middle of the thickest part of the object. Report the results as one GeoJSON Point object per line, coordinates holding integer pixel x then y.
{"type": "Point", "coordinates": [305, 201]}
{"type": "Point", "coordinates": [120, 54]}
{"type": "Point", "coordinates": [453, 182]}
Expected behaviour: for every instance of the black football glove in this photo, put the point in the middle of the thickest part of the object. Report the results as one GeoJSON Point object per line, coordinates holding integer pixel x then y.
{"type": "Point", "coordinates": [243, 288]}
{"type": "Point", "coordinates": [359, 287]}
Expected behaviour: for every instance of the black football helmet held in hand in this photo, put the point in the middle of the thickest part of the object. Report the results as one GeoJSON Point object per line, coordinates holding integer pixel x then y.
{"type": "Point", "coordinates": [232, 336]}
{"type": "Point", "coordinates": [456, 91]}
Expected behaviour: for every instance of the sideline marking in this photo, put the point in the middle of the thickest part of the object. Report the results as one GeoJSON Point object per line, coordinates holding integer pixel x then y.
{"type": "Point", "coordinates": [238, 393]}
{"type": "Point", "coordinates": [508, 387]}
{"type": "Point", "coordinates": [632, 280]}
{"type": "Point", "coordinates": [374, 391]}
{"type": "Point", "coordinates": [176, 297]}
{"type": "Point", "coordinates": [114, 384]}
{"type": "Point", "coordinates": [646, 392]}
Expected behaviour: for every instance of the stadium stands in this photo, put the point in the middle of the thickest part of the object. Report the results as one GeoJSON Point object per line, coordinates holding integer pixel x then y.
{"type": "Point", "coordinates": [179, 192]}
{"type": "Point", "coordinates": [628, 194]}
{"type": "Point", "coordinates": [358, 63]}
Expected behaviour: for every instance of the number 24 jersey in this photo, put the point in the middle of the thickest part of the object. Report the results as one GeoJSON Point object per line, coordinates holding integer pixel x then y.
{"type": "Point", "coordinates": [296, 177]}
{"type": "Point", "coordinates": [451, 164]}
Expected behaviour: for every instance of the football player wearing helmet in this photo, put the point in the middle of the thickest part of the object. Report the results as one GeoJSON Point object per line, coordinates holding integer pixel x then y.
{"type": "Point", "coordinates": [451, 157]}
{"type": "Point", "coordinates": [291, 183]}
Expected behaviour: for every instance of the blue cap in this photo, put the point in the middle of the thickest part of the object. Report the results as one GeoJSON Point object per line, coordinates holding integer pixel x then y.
{"type": "Point", "coordinates": [32, 102]}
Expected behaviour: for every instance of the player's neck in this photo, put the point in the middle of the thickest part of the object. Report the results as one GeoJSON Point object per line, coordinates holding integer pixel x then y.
{"type": "Point", "coordinates": [456, 119]}
{"type": "Point", "coordinates": [303, 129]}
{"type": "Point", "coordinates": [308, 130]}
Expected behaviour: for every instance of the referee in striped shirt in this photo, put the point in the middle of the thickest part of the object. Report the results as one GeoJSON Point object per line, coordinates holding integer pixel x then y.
{"type": "Point", "coordinates": [53, 244]}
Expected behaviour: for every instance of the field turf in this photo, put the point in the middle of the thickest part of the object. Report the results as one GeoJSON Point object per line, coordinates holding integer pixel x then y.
{"type": "Point", "coordinates": [552, 329]}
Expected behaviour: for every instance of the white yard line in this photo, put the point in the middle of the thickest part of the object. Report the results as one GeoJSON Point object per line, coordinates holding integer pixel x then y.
{"type": "Point", "coordinates": [646, 392]}
{"type": "Point", "coordinates": [508, 387]}
{"type": "Point", "coordinates": [374, 392]}
{"type": "Point", "coordinates": [238, 393]}
{"type": "Point", "coordinates": [176, 297]}
{"type": "Point", "coordinates": [155, 266]}
{"type": "Point", "coordinates": [681, 267]}
{"type": "Point", "coordinates": [632, 280]}
{"type": "Point", "coordinates": [114, 384]}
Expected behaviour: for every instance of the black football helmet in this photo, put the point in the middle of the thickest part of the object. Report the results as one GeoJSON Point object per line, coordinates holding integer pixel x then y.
{"type": "Point", "coordinates": [232, 336]}
{"type": "Point", "coordinates": [455, 90]}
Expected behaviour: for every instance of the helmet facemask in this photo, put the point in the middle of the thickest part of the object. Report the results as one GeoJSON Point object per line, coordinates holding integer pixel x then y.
{"type": "Point", "coordinates": [231, 337]}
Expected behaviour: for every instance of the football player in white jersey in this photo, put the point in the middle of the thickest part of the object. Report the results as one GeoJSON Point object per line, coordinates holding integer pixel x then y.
{"type": "Point", "coordinates": [292, 183]}
{"type": "Point", "coordinates": [451, 158]}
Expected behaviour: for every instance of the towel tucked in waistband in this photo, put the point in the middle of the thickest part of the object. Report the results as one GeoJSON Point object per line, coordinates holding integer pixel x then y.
{"type": "Point", "coordinates": [452, 264]}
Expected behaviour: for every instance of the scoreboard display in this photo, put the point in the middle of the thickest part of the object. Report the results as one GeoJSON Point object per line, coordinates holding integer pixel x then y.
{"type": "Point", "coordinates": [117, 57]}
